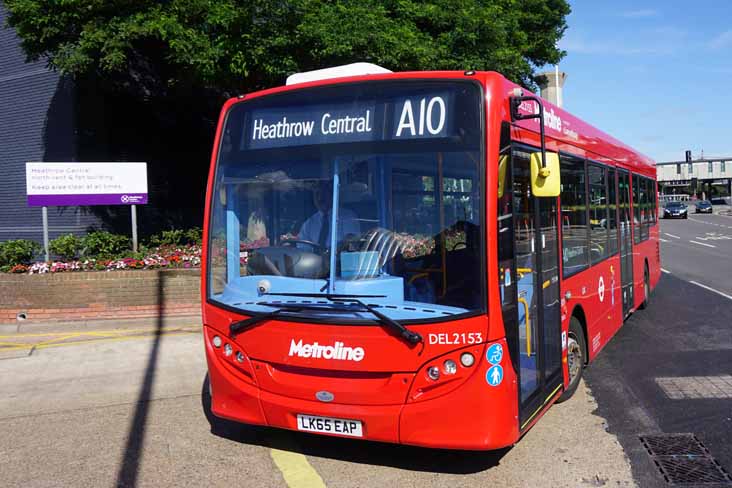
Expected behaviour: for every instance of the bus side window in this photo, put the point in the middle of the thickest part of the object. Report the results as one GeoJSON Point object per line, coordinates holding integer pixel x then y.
{"type": "Point", "coordinates": [651, 197]}
{"type": "Point", "coordinates": [598, 213]}
{"type": "Point", "coordinates": [612, 218]}
{"type": "Point", "coordinates": [636, 208]}
{"type": "Point", "coordinates": [644, 207]}
{"type": "Point", "coordinates": [575, 247]}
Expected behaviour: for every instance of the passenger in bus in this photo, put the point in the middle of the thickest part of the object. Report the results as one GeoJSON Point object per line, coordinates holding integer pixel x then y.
{"type": "Point", "coordinates": [316, 228]}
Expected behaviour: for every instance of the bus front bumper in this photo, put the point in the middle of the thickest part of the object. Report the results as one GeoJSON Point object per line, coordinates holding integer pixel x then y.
{"type": "Point", "coordinates": [475, 416]}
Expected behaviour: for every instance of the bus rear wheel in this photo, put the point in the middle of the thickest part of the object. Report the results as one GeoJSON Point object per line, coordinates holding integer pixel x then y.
{"type": "Point", "coordinates": [576, 352]}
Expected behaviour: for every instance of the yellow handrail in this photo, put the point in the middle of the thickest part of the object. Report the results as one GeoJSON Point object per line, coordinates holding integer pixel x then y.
{"type": "Point", "coordinates": [417, 276]}
{"type": "Point", "coordinates": [528, 325]}
{"type": "Point", "coordinates": [522, 271]}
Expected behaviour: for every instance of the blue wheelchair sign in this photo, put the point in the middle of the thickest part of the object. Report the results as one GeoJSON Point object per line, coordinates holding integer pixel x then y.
{"type": "Point", "coordinates": [494, 354]}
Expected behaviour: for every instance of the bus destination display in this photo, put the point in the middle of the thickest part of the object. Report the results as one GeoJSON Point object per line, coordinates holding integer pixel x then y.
{"type": "Point", "coordinates": [394, 119]}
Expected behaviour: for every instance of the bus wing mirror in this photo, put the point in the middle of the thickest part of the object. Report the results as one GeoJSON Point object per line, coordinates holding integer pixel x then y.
{"type": "Point", "coordinates": [545, 179]}
{"type": "Point", "coordinates": [502, 163]}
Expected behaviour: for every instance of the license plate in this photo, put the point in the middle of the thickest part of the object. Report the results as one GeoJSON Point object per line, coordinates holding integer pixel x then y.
{"type": "Point", "coordinates": [329, 425]}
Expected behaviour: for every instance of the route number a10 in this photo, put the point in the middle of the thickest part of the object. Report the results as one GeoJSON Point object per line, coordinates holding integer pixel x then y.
{"type": "Point", "coordinates": [430, 116]}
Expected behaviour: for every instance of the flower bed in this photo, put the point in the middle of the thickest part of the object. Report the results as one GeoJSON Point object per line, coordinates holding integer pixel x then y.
{"type": "Point", "coordinates": [188, 256]}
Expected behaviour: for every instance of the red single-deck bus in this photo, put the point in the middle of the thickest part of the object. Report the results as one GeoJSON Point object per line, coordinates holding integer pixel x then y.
{"type": "Point", "coordinates": [398, 257]}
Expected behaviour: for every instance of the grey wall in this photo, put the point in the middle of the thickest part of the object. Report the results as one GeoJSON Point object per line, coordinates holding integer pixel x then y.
{"type": "Point", "coordinates": [36, 124]}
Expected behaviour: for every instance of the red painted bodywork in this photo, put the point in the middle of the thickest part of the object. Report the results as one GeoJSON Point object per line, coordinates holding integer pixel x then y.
{"type": "Point", "coordinates": [385, 389]}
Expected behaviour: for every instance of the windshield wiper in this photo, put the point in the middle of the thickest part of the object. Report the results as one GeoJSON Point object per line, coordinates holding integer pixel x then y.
{"type": "Point", "coordinates": [406, 334]}
{"type": "Point", "coordinates": [242, 325]}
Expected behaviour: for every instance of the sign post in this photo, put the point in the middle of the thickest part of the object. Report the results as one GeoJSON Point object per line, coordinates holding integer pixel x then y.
{"type": "Point", "coordinates": [44, 211]}
{"type": "Point", "coordinates": [133, 212]}
{"type": "Point", "coordinates": [83, 184]}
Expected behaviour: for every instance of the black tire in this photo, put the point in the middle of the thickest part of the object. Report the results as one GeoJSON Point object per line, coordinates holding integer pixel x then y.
{"type": "Point", "coordinates": [686, 216]}
{"type": "Point", "coordinates": [576, 357]}
{"type": "Point", "coordinates": [646, 290]}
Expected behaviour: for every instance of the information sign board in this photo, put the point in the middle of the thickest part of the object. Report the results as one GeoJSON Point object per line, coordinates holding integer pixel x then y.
{"type": "Point", "coordinates": [72, 184]}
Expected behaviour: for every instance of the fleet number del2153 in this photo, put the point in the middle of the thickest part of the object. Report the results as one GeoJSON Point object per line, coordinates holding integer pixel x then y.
{"type": "Point", "coordinates": [455, 338]}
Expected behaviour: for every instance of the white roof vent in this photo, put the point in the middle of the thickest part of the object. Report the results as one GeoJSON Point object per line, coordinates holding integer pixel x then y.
{"type": "Point", "coordinates": [354, 69]}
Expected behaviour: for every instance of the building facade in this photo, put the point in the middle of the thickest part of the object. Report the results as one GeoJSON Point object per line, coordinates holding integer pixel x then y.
{"type": "Point", "coordinates": [37, 123]}
{"type": "Point", "coordinates": [708, 178]}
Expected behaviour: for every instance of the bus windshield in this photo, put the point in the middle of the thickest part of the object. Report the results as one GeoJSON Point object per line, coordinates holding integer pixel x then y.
{"type": "Point", "coordinates": [369, 189]}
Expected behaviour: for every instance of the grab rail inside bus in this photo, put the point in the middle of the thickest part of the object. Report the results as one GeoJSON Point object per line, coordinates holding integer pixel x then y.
{"type": "Point", "coordinates": [522, 271]}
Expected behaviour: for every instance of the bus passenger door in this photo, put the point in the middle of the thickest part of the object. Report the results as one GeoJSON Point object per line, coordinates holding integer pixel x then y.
{"type": "Point", "coordinates": [535, 268]}
{"type": "Point", "coordinates": [626, 241]}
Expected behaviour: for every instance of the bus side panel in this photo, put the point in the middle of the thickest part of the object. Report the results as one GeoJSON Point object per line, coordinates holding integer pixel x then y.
{"type": "Point", "coordinates": [597, 291]}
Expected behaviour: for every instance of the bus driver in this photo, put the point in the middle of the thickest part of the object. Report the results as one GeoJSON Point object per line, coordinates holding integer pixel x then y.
{"type": "Point", "coordinates": [316, 228]}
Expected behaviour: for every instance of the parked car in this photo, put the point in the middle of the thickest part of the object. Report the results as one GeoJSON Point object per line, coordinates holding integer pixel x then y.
{"type": "Point", "coordinates": [675, 210]}
{"type": "Point", "coordinates": [704, 206]}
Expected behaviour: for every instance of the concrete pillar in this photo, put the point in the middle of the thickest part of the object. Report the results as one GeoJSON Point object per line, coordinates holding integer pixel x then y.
{"type": "Point", "coordinates": [551, 84]}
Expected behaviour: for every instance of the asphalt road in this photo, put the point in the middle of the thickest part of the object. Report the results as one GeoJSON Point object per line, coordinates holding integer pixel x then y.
{"type": "Point", "coordinates": [699, 249]}
{"type": "Point", "coordinates": [669, 369]}
{"type": "Point", "coordinates": [125, 409]}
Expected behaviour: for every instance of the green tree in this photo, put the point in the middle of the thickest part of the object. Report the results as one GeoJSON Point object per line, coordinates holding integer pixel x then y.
{"type": "Point", "coordinates": [154, 48]}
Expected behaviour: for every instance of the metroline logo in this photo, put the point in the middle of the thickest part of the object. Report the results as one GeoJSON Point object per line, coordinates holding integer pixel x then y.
{"type": "Point", "coordinates": [336, 351]}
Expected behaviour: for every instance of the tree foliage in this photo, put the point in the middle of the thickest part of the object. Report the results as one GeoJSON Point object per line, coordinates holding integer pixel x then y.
{"type": "Point", "coordinates": [230, 46]}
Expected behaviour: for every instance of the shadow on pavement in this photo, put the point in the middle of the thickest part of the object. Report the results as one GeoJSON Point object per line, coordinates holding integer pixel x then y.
{"type": "Point", "coordinates": [130, 463]}
{"type": "Point", "coordinates": [355, 451]}
{"type": "Point", "coordinates": [684, 333]}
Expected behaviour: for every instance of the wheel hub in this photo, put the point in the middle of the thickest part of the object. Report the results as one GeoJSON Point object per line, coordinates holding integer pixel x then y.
{"type": "Point", "coordinates": [574, 358]}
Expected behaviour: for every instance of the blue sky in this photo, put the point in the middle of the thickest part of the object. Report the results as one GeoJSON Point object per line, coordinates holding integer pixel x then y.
{"type": "Point", "coordinates": [655, 74]}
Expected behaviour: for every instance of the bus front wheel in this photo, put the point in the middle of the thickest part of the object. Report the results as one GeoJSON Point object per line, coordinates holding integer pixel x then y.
{"type": "Point", "coordinates": [576, 351]}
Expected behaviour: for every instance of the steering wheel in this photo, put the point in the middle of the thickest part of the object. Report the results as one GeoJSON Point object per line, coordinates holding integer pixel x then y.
{"type": "Point", "coordinates": [293, 242]}
{"type": "Point", "coordinates": [461, 244]}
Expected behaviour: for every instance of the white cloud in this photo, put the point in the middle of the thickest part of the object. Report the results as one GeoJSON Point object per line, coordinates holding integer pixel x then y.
{"type": "Point", "coordinates": [722, 40]}
{"type": "Point", "coordinates": [576, 45]}
{"type": "Point", "coordinates": [637, 14]}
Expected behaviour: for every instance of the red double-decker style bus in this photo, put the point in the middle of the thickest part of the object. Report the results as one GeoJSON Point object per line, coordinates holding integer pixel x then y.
{"type": "Point", "coordinates": [425, 258]}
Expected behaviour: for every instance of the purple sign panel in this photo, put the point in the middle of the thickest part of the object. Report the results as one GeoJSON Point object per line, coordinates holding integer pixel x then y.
{"type": "Point", "coordinates": [75, 184]}
{"type": "Point", "coordinates": [90, 199]}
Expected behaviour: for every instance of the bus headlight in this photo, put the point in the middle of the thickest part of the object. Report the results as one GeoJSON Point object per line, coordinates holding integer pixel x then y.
{"type": "Point", "coordinates": [467, 359]}
{"type": "Point", "coordinates": [433, 372]}
{"type": "Point", "coordinates": [216, 341]}
{"type": "Point", "coordinates": [228, 350]}
{"type": "Point", "coordinates": [449, 367]}
{"type": "Point", "coordinates": [443, 374]}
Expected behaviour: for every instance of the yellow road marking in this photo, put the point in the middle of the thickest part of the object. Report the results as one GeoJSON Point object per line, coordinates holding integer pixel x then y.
{"type": "Point", "coordinates": [87, 332]}
{"type": "Point", "coordinates": [116, 338]}
{"type": "Point", "coordinates": [296, 469]}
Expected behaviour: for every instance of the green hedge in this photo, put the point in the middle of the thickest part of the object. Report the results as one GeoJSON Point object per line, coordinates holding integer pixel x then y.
{"type": "Point", "coordinates": [67, 247]}
{"type": "Point", "coordinates": [101, 244]}
{"type": "Point", "coordinates": [20, 251]}
{"type": "Point", "coordinates": [97, 244]}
